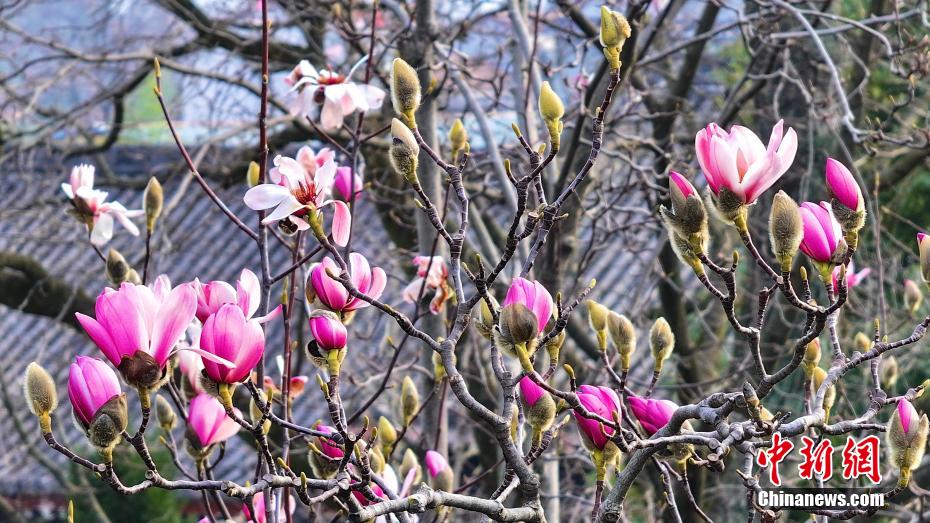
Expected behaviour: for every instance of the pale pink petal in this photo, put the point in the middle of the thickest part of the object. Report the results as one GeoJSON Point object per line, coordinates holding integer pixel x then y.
{"type": "Point", "coordinates": [287, 207]}
{"type": "Point", "coordinates": [265, 196]}
{"type": "Point", "coordinates": [342, 223]}
{"type": "Point", "coordinates": [249, 292]}
{"type": "Point", "coordinates": [103, 229]}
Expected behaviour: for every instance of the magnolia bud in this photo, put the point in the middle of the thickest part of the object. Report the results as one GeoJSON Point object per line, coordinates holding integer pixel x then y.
{"type": "Point", "coordinates": [404, 151]}
{"type": "Point", "coordinates": [615, 29]}
{"type": "Point", "coordinates": [410, 462]}
{"type": "Point", "coordinates": [518, 324]}
{"type": "Point", "coordinates": [811, 358]}
{"type": "Point", "coordinates": [153, 199]}
{"type": "Point", "coordinates": [906, 436]}
{"type": "Point", "coordinates": [597, 318]}
{"type": "Point", "coordinates": [923, 245]}
{"type": "Point", "coordinates": [686, 221]}
{"type": "Point", "coordinates": [255, 412]}
{"type": "Point", "coordinates": [538, 406]}
{"type": "Point", "coordinates": [387, 433]}
{"type": "Point", "coordinates": [485, 318]}
{"type": "Point", "coordinates": [405, 91]}
{"type": "Point", "coordinates": [165, 415]}
{"type": "Point", "coordinates": [913, 297]}
{"type": "Point", "coordinates": [253, 174]}
{"type": "Point", "coordinates": [376, 460]}
{"type": "Point", "coordinates": [554, 345]}
{"type": "Point", "coordinates": [41, 396]}
{"type": "Point", "coordinates": [117, 267]}
{"type": "Point", "coordinates": [661, 342]}
{"type": "Point", "coordinates": [108, 424]}
{"type": "Point", "coordinates": [409, 400]}
{"type": "Point", "coordinates": [458, 137]}
{"type": "Point", "coordinates": [765, 414]}
{"type": "Point", "coordinates": [439, 370]}
{"type": "Point", "coordinates": [551, 110]}
{"type": "Point", "coordinates": [889, 371]}
{"type": "Point", "coordinates": [829, 398]}
{"type": "Point", "coordinates": [786, 229]}
{"type": "Point", "coordinates": [624, 337]}
{"type": "Point", "coordinates": [862, 342]}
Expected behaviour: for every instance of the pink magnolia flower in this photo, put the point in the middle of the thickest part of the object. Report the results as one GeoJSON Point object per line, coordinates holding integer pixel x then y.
{"type": "Point", "coordinates": [602, 401]}
{"type": "Point", "coordinates": [738, 161]}
{"type": "Point", "coordinates": [908, 415]}
{"type": "Point", "coordinates": [364, 501]}
{"type": "Point", "coordinates": [652, 414]}
{"type": "Point", "coordinates": [332, 294]}
{"type": "Point", "coordinates": [93, 209]}
{"type": "Point", "coordinates": [328, 331]}
{"type": "Point", "coordinates": [682, 183]}
{"type": "Point", "coordinates": [231, 336]}
{"type": "Point", "coordinates": [435, 463]}
{"type": "Point", "coordinates": [530, 391]}
{"type": "Point", "coordinates": [534, 296]}
{"type": "Point", "coordinates": [138, 318]}
{"type": "Point", "coordinates": [822, 233]}
{"type": "Point", "coordinates": [257, 513]}
{"type": "Point", "coordinates": [843, 186]}
{"type": "Point", "coordinates": [311, 161]}
{"type": "Point", "coordinates": [294, 192]}
{"type": "Point", "coordinates": [853, 278]}
{"type": "Point", "coordinates": [347, 181]}
{"type": "Point", "coordinates": [327, 447]}
{"type": "Point", "coordinates": [432, 273]}
{"type": "Point", "coordinates": [209, 421]}
{"type": "Point", "coordinates": [247, 295]}
{"type": "Point", "coordinates": [338, 96]}
{"type": "Point", "coordinates": [91, 383]}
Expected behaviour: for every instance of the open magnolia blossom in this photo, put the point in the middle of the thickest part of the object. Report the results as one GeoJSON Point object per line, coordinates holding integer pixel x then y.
{"type": "Point", "coordinates": [338, 96]}
{"type": "Point", "coordinates": [91, 207]}
{"type": "Point", "coordinates": [257, 512]}
{"type": "Point", "coordinates": [296, 195]}
{"type": "Point", "coordinates": [739, 162]}
{"type": "Point", "coordinates": [432, 273]}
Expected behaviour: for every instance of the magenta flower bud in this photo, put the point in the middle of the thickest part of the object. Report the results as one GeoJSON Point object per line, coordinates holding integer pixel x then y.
{"type": "Point", "coordinates": [364, 501]}
{"type": "Point", "coordinates": [332, 294]}
{"type": "Point", "coordinates": [739, 162]}
{"type": "Point", "coordinates": [327, 447]}
{"type": "Point", "coordinates": [534, 297]}
{"type": "Point", "coordinates": [435, 463]}
{"type": "Point", "coordinates": [208, 420]}
{"type": "Point", "coordinates": [604, 402]}
{"type": "Point", "coordinates": [136, 327]}
{"type": "Point", "coordinates": [328, 331]}
{"type": "Point", "coordinates": [229, 335]}
{"type": "Point", "coordinates": [213, 295]}
{"type": "Point", "coordinates": [822, 234]}
{"type": "Point", "coordinates": [652, 414]}
{"type": "Point", "coordinates": [682, 183]}
{"type": "Point", "coordinates": [346, 181]}
{"type": "Point", "coordinates": [530, 391]}
{"type": "Point", "coordinates": [923, 245]}
{"type": "Point", "coordinates": [843, 186]}
{"type": "Point", "coordinates": [908, 415]}
{"type": "Point", "coordinates": [91, 384]}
